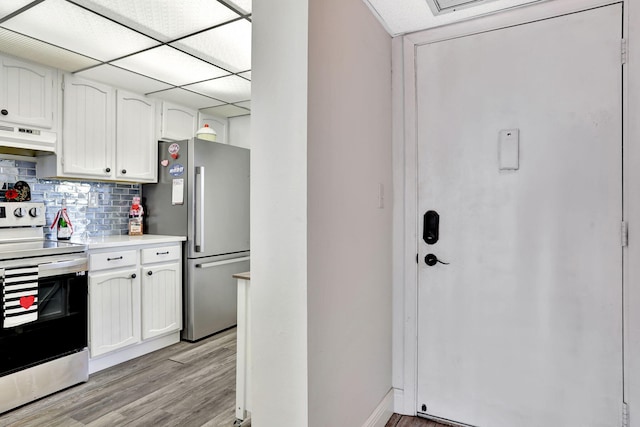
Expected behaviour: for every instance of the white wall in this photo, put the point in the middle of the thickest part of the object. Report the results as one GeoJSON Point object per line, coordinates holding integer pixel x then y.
{"type": "Point", "coordinates": [279, 213]}
{"type": "Point", "coordinates": [321, 246]}
{"type": "Point", "coordinates": [240, 131]}
{"type": "Point", "coordinates": [349, 236]}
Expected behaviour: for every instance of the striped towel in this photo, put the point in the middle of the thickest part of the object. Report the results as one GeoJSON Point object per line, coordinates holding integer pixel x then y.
{"type": "Point", "coordinates": [20, 295]}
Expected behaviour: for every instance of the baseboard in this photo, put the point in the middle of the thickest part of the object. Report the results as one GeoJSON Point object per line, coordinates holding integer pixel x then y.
{"type": "Point", "coordinates": [398, 402]}
{"type": "Point", "coordinates": [136, 350]}
{"type": "Point", "coordinates": [382, 413]}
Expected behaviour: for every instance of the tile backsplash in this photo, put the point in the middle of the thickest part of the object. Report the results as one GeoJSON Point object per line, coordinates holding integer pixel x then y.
{"type": "Point", "coordinates": [108, 215]}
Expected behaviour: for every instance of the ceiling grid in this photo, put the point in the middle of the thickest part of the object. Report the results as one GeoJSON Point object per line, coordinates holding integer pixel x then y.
{"type": "Point", "coordinates": [193, 52]}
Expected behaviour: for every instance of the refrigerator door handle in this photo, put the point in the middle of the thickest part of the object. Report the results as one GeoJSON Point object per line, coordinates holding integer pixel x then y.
{"type": "Point", "coordinates": [226, 261]}
{"type": "Point", "coordinates": [199, 210]}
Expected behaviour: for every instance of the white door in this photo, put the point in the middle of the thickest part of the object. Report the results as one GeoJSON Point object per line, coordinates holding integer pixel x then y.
{"type": "Point", "coordinates": [523, 326]}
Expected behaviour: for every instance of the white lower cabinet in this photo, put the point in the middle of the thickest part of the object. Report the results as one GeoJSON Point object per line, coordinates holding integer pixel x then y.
{"type": "Point", "coordinates": [161, 294]}
{"type": "Point", "coordinates": [114, 306]}
{"type": "Point", "coordinates": [135, 302]}
{"type": "Point", "coordinates": [161, 302]}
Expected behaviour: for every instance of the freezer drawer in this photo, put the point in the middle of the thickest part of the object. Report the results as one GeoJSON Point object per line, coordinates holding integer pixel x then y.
{"type": "Point", "coordinates": [211, 295]}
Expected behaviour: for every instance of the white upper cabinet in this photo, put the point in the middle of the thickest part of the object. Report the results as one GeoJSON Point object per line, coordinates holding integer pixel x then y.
{"type": "Point", "coordinates": [219, 124]}
{"type": "Point", "coordinates": [88, 129]}
{"type": "Point", "coordinates": [178, 122]}
{"type": "Point", "coordinates": [136, 145]}
{"type": "Point", "coordinates": [108, 134]}
{"type": "Point", "coordinates": [27, 93]}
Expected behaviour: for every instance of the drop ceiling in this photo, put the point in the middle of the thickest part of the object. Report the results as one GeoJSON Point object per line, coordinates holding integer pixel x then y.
{"type": "Point", "coordinates": [196, 53]}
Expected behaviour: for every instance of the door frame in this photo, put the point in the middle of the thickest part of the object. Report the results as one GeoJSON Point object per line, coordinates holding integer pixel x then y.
{"type": "Point", "coordinates": [405, 177]}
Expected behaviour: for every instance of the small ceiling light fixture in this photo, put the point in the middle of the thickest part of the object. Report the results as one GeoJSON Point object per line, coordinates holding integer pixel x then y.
{"type": "Point", "coordinates": [439, 7]}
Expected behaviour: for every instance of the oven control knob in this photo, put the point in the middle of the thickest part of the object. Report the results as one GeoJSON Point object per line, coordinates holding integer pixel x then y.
{"type": "Point", "coordinates": [34, 212]}
{"type": "Point", "coordinates": [20, 212]}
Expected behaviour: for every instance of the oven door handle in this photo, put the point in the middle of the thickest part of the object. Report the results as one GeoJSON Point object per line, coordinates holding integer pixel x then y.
{"type": "Point", "coordinates": [59, 268]}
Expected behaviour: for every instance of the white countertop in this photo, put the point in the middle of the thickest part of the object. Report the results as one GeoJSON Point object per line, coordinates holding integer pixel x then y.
{"type": "Point", "coordinates": [101, 242]}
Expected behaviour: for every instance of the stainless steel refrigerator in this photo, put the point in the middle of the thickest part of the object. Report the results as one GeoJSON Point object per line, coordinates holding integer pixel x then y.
{"type": "Point", "coordinates": [203, 193]}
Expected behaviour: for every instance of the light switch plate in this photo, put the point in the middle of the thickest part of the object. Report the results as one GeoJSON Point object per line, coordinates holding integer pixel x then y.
{"type": "Point", "coordinates": [509, 149]}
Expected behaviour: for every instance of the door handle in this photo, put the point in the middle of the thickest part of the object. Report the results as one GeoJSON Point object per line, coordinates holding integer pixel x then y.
{"type": "Point", "coordinates": [198, 223]}
{"type": "Point", "coordinates": [431, 260]}
{"type": "Point", "coordinates": [430, 227]}
{"type": "Point", "coordinates": [226, 261]}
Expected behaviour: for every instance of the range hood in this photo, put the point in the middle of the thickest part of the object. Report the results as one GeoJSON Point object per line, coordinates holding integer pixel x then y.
{"type": "Point", "coordinates": [26, 141]}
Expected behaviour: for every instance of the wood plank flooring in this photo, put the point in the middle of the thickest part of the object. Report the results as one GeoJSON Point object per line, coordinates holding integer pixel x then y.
{"type": "Point", "coordinates": [405, 421]}
{"type": "Point", "coordinates": [186, 384]}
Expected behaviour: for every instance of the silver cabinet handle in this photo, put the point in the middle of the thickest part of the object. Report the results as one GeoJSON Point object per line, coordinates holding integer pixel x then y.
{"type": "Point", "coordinates": [226, 261]}
{"type": "Point", "coordinates": [199, 210]}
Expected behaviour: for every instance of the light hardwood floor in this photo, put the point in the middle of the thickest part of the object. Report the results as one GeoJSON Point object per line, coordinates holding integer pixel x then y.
{"type": "Point", "coordinates": [186, 384]}
{"type": "Point", "coordinates": [405, 421]}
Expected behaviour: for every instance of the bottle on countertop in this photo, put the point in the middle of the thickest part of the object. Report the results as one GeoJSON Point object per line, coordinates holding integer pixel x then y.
{"type": "Point", "coordinates": [62, 223]}
{"type": "Point", "coordinates": [135, 217]}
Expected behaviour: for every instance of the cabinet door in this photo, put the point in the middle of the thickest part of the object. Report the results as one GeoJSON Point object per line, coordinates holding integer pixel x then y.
{"type": "Point", "coordinates": [26, 93]}
{"type": "Point", "coordinates": [219, 124]}
{"type": "Point", "coordinates": [114, 310]}
{"type": "Point", "coordinates": [88, 129]}
{"type": "Point", "coordinates": [178, 122]}
{"type": "Point", "coordinates": [161, 299]}
{"type": "Point", "coordinates": [136, 145]}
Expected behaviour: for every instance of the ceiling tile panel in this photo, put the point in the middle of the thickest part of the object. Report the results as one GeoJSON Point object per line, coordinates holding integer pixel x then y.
{"type": "Point", "coordinates": [228, 46]}
{"type": "Point", "coordinates": [185, 97]}
{"type": "Point", "coordinates": [244, 104]}
{"type": "Point", "coordinates": [242, 5]}
{"type": "Point", "coordinates": [170, 65]}
{"type": "Point", "coordinates": [228, 89]}
{"type": "Point", "coordinates": [124, 79]}
{"type": "Point", "coordinates": [43, 53]}
{"type": "Point", "coordinates": [227, 110]}
{"type": "Point", "coordinates": [63, 24]}
{"type": "Point", "coordinates": [9, 6]}
{"type": "Point", "coordinates": [164, 19]}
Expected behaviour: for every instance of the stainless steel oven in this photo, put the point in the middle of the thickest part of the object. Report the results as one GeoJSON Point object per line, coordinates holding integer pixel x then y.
{"type": "Point", "coordinates": [43, 335]}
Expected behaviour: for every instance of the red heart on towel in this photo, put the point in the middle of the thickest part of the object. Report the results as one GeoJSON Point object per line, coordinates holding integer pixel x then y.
{"type": "Point", "coordinates": [27, 302]}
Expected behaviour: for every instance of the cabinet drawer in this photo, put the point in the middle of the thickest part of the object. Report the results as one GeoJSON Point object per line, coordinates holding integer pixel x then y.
{"type": "Point", "coordinates": [112, 260]}
{"type": "Point", "coordinates": [160, 254]}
